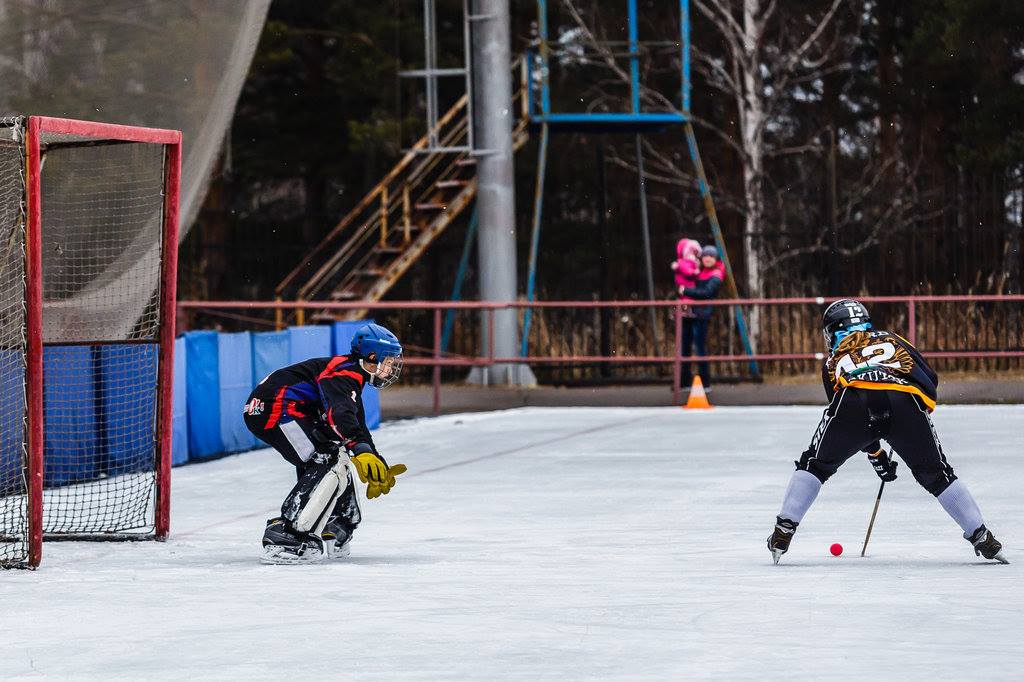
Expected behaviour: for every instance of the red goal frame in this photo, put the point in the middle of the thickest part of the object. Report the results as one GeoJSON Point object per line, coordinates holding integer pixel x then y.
{"type": "Point", "coordinates": [171, 140]}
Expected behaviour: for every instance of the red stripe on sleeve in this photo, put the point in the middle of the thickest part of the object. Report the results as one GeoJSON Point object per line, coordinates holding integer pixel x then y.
{"type": "Point", "coordinates": [275, 412]}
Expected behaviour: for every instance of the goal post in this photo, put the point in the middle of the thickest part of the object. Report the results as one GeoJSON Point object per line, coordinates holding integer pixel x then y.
{"type": "Point", "coordinates": [88, 260]}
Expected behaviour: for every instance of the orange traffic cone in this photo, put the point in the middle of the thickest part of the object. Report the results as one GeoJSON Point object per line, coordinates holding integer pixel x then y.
{"type": "Point", "coordinates": [698, 399]}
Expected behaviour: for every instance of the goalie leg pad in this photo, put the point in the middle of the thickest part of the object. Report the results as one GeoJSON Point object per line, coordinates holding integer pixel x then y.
{"type": "Point", "coordinates": [341, 525]}
{"type": "Point", "coordinates": [346, 509]}
{"type": "Point", "coordinates": [309, 502]}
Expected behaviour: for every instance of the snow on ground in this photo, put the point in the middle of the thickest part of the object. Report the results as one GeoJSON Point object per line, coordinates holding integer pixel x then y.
{"type": "Point", "coordinates": [553, 544]}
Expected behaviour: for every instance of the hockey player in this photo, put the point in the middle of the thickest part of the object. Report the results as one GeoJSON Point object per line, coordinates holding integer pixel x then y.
{"type": "Point", "coordinates": [309, 412]}
{"type": "Point", "coordinates": [879, 387]}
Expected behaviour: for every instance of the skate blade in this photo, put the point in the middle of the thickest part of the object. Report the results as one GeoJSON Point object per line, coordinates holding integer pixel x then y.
{"type": "Point", "coordinates": [281, 556]}
{"type": "Point", "coordinates": [339, 552]}
{"type": "Point", "coordinates": [1000, 558]}
{"type": "Point", "coordinates": [776, 555]}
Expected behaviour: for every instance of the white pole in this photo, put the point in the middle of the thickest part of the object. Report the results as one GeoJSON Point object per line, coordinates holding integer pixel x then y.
{"type": "Point", "coordinates": [496, 199]}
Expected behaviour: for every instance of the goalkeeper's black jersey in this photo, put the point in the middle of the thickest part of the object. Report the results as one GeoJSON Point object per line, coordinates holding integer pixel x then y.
{"type": "Point", "coordinates": [321, 389]}
{"type": "Point", "coordinates": [880, 361]}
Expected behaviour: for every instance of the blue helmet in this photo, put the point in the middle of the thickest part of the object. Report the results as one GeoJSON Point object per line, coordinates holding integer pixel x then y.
{"type": "Point", "coordinates": [374, 343]}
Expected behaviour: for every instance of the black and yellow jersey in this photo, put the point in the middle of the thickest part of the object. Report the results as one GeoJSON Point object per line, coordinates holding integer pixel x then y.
{"type": "Point", "coordinates": [878, 360]}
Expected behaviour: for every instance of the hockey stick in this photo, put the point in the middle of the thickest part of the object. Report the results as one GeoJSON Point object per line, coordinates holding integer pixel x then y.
{"type": "Point", "coordinates": [871, 524]}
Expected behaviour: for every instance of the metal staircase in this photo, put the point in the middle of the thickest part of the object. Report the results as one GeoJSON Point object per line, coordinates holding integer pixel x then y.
{"type": "Point", "coordinates": [378, 240]}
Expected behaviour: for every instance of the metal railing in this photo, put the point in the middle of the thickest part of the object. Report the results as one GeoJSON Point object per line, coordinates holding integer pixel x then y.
{"type": "Point", "coordinates": [434, 358]}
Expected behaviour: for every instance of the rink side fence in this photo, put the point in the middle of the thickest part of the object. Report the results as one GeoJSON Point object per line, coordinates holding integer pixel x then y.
{"type": "Point", "coordinates": [436, 359]}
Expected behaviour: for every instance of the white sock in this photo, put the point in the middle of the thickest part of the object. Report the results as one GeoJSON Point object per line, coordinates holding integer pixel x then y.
{"type": "Point", "coordinates": [959, 503]}
{"type": "Point", "coordinates": [800, 495]}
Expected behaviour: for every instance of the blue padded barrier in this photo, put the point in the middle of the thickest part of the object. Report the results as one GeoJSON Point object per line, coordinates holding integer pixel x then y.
{"type": "Point", "coordinates": [71, 444]}
{"type": "Point", "coordinates": [179, 422]}
{"type": "Point", "coordinates": [269, 353]}
{"type": "Point", "coordinates": [128, 400]}
{"type": "Point", "coordinates": [234, 367]}
{"type": "Point", "coordinates": [204, 435]}
{"type": "Point", "coordinates": [342, 333]}
{"type": "Point", "coordinates": [308, 342]}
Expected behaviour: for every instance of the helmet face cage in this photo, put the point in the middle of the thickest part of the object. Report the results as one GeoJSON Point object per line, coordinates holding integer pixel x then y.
{"type": "Point", "coordinates": [387, 372]}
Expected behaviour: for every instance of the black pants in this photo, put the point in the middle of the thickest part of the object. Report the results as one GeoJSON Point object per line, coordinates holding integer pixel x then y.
{"type": "Point", "coordinates": [856, 418]}
{"type": "Point", "coordinates": [695, 334]}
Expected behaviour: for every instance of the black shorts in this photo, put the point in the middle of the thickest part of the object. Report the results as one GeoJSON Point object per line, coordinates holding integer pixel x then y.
{"type": "Point", "coordinates": [296, 438]}
{"type": "Point", "coordinates": [857, 417]}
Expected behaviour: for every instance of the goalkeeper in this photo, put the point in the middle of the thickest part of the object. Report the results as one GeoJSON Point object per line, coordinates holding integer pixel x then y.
{"type": "Point", "coordinates": [309, 412]}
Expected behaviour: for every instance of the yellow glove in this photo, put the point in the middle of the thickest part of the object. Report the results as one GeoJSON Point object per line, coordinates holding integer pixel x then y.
{"type": "Point", "coordinates": [378, 476]}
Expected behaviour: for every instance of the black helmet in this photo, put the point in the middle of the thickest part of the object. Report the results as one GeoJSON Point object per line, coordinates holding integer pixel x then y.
{"type": "Point", "coordinates": [843, 315]}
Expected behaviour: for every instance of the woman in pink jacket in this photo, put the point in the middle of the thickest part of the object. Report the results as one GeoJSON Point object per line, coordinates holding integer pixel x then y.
{"type": "Point", "coordinates": [695, 330]}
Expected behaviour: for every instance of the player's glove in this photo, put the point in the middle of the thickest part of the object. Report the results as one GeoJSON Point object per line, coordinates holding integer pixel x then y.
{"type": "Point", "coordinates": [375, 472]}
{"type": "Point", "coordinates": [884, 465]}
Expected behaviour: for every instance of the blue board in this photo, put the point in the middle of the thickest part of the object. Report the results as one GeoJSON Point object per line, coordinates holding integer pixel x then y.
{"type": "Point", "coordinates": [179, 436]}
{"type": "Point", "coordinates": [270, 352]}
{"type": "Point", "coordinates": [308, 342]}
{"type": "Point", "coordinates": [204, 436]}
{"type": "Point", "coordinates": [234, 367]}
{"type": "Point", "coordinates": [12, 421]}
{"type": "Point", "coordinates": [128, 403]}
{"type": "Point", "coordinates": [71, 444]}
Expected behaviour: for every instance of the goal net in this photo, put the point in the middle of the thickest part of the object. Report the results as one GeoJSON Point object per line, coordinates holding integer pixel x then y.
{"type": "Point", "coordinates": [88, 237]}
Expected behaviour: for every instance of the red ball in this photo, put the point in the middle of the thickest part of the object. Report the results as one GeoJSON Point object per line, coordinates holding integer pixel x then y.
{"type": "Point", "coordinates": [836, 549]}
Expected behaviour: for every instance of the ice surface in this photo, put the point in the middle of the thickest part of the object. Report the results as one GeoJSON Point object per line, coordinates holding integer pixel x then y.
{"type": "Point", "coordinates": [554, 544]}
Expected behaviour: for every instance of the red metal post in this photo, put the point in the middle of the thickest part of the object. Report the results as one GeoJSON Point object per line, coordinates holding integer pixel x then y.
{"type": "Point", "coordinates": [106, 131]}
{"type": "Point", "coordinates": [34, 359]}
{"type": "Point", "coordinates": [437, 361]}
{"type": "Point", "coordinates": [911, 321]}
{"type": "Point", "coordinates": [677, 365]}
{"type": "Point", "coordinates": [168, 285]}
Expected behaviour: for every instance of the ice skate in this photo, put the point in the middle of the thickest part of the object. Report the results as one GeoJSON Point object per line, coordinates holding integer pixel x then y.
{"type": "Point", "coordinates": [778, 541]}
{"type": "Point", "coordinates": [337, 549]}
{"type": "Point", "coordinates": [282, 545]}
{"type": "Point", "coordinates": [337, 537]}
{"type": "Point", "coordinates": [986, 545]}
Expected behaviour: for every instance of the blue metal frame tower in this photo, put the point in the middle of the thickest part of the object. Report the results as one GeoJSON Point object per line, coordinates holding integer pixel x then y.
{"type": "Point", "coordinates": [541, 115]}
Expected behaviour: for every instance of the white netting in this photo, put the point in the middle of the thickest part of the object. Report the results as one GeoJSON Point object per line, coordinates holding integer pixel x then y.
{"type": "Point", "coordinates": [101, 236]}
{"type": "Point", "coordinates": [102, 209]}
{"type": "Point", "coordinates": [13, 452]}
{"type": "Point", "coordinates": [102, 218]}
{"type": "Point", "coordinates": [155, 63]}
